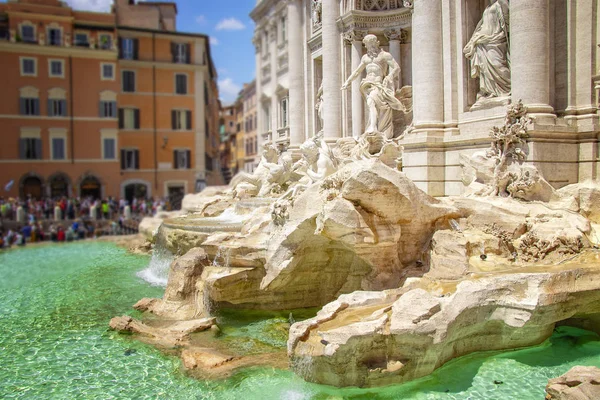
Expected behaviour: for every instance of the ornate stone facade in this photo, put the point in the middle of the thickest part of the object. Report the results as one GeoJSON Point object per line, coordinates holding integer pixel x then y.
{"type": "Point", "coordinates": [455, 96]}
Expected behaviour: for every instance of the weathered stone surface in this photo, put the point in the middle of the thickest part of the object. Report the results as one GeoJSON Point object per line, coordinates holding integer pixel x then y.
{"type": "Point", "coordinates": [403, 339]}
{"type": "Point", "coordinates": [174, 333]}
{"type": "Point", "coordinates": [587, 197]}
{"type": "Point", "coordinates": [205, 358]}
{"type": "Point", "coordinates": [180, 301]}
{"type": "Point", "coordinates": [197, 202]}
{"type": "Point", "coordinates": [579, 383]}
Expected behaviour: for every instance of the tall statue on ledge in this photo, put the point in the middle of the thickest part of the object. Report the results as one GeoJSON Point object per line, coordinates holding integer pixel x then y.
{"type": "Point", "coordinates": [378, 87]}
{"type": "Point", "coordinates": [489, 52]}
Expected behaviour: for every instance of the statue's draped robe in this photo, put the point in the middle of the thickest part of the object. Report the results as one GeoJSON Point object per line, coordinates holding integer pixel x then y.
{"type": "Point", "coordinates": [489, 52]}
{"type": "Point", "coordinates": [384, 97]}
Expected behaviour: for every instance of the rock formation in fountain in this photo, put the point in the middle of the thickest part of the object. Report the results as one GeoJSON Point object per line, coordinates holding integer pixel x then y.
{"type": "Point", "coordinates": [579, 383]}
{"type": "Point", "coordinates": [518, 259]}
{"type": "Point", "coordinates": [407, 282]}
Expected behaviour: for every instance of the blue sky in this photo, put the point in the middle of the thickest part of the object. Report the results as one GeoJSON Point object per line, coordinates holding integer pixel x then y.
{"type": "Point", "coordinates": [230, 29]}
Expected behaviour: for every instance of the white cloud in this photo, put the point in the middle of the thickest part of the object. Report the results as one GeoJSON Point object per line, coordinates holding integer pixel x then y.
{"type": "Point", "coordinates": [230, 24]}
{"type": "Point", "coordinates": [214, 41]}
{"type": "Point", "coordinates": [201, 19]}
{"type": "Point", "coordinates": [228, 89]}
{"type": "Point", "coordinates": [91, 5]}
{"type": "Point", "coordinates": [222, 71]}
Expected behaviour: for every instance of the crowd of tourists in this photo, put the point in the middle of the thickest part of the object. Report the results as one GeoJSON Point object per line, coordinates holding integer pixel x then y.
{"type": "Point", "coordinates": [69, 219]}
{"type": "Point", "coordinates": [72, 208]}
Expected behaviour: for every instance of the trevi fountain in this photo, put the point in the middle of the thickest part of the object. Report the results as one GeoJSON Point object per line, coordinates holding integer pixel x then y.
{"type": "Point", "coordinates": [381, 289]}
{"type": "Point", "coordinates": [404, 283]}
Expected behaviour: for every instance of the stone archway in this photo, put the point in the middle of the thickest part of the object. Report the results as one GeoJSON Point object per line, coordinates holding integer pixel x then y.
{"type": "Point", "coordinates": [135, 189]}
{"type": "Point", "coordinates": [59, 185]}
{"type": "Point", "coordinates": [90, 186]}
{"type": "Point", "coordinates": [31, 185]}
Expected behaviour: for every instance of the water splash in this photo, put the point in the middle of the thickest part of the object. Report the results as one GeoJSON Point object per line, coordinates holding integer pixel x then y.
{"type": "Point", "coordinates": [157, 272]}
{"type": "Point", "coordinates": [222, 258]}
{"type": "Point", "coordinates": [455, 226]}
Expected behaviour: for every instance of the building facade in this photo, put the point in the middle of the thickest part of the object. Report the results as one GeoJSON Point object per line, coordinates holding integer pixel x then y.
{"type": "Point", "coordinates": [250, 121]}
{"type": "Point", "coordinates": [228, 145]}
{"type": "Point", "coordinates": [105, 104]}
{"type": "Point", "coordinates": [553, 53]}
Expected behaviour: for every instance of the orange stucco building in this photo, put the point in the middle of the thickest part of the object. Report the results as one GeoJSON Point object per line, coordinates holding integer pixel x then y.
{"type": "Point", "coordinates": [105, 104]}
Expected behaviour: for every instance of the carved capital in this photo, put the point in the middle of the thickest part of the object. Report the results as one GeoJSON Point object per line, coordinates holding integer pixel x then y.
{"type": "Point", "coordinates": [355, 36]}
{"type": "Point", "coordinates": [257, 42]}
{"type": "Point", "coordinates": [397, 34]}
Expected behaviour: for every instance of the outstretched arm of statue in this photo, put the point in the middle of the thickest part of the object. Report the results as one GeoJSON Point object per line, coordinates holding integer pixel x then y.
{"type": "Point", "coordinates": [354, 75]}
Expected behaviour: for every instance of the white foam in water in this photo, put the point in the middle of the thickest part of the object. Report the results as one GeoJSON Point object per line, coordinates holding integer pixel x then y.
{"type": "Point", "coordinates": [157, 272]}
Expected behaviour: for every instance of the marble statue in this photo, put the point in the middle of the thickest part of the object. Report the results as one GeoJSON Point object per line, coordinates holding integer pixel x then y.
{"type": "Point", "coordinates": [317, 10]}
{"type": "Point", "coordinates": [378, 87]}
{"type": "Point", "coordinates": [272, 172]}
{"type": "Point", "coordinates": [489, 52]}
{"type": "Point", "coordinates": [319, 105]}
{"type": "Point", "coordinates": [317, 163]}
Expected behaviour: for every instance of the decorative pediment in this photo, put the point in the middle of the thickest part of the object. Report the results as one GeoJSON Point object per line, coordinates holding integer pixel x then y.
{"type": "Point", "coordinates": [29, 92]}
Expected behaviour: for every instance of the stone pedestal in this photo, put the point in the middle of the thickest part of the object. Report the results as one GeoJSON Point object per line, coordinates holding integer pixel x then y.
{"type": "Point", "coordinates": [57, 214]}
{"type": "Point", "coordinates": [332, 98]}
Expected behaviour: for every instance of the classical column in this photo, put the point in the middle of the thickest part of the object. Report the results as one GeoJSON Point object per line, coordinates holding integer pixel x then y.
{"type": "Point", "coordinates": [332, 97]}
{"type": "Point", "coordinates": [274, 66]}
{"type": "Point", "coordinates": [295, 73]}
{"type": "Point", "coordinates": [256, 40]}
{"type": "Point", "coordinates": [395, 38]}
{"type": "Point", "coordinates": [428, 71]}
{"type": "Point", "coordinates": [355, 39]}
{"type": "Point", "coordinates": [530, 54]}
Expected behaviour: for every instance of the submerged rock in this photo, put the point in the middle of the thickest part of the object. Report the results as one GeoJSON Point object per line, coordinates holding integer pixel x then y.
{"type": "Point", "coordinates": [579, 383]}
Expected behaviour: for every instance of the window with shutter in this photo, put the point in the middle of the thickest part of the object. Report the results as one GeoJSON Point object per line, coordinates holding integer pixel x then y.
{"type": "Point", "coordinates": [108, 109]}
{"type": "Point", "coordinates": [109, 145]}
{"type": "Point", "coordinates": [30, 148]}
{"type": "Point", "coordinates": [127, 48]}
{"type": "Point", "coordinates": [29, 106]}
{"type": "Point", "coordinates": [129, 81]}
{"type": "Point", "coordinates": [57, 108]}
{"type": "Point", "coordinates": [28, 66]}
{"type": "Point", "coordinates": [181, 53]}
{"type": "Point", "coordinates": [130, 159]}
{"type": "Point", "coordinates": [58, 148]}
{"type": "Point", "coordinates": [27, 33]}
{"type": "Point", "coordinates": [54, 37]}
{"type": "Point", "coordinates": [181, 84]}
{"type": "Point", "coordinates": [181, 159]}
{"type": "Point", "coordinates": [181, 120]}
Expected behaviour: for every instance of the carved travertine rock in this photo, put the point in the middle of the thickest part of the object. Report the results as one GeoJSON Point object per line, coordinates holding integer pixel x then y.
{"type": "Point", "coordinates": [579, 383]}
{"type": "Point", "coordinates": [406, 334]}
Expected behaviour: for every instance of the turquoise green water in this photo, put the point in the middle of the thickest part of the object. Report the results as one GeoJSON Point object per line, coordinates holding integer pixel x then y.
{"type": "Point", "coordinates": [56, 301]}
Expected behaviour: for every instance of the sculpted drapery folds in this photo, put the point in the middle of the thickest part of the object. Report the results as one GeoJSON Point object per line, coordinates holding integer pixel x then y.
{"type": "Point", "coordinates": [489, 52]}
{"type": "Point", "coordinates": [378, 87]}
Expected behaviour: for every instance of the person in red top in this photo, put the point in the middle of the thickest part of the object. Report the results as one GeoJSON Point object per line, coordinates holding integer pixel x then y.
{"type": "Point", "coordinates": [60, 236]}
